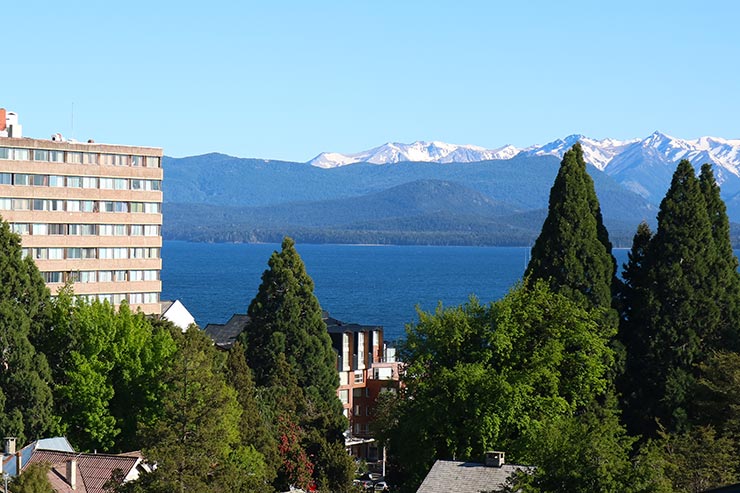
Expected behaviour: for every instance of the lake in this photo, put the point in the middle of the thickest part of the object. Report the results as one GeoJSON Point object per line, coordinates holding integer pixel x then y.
{"type": "Point", "coordinates": [366, 284]}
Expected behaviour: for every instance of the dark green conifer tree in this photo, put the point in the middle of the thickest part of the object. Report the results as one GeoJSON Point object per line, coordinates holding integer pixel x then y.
{"type": "Point", "coordinates": [677, 315]}
{"type": "Point", "coordinates": [726, 275]}
{"type": "Point", "coordinates": [286, 322]}
{"type": "Point", "coordinates": [573, 252]}
{"type": "Point", "coordinates": [26, 405]}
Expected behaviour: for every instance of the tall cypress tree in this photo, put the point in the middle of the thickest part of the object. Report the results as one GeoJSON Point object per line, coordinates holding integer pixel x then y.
{"type": "Point", "coordinates": [677, 315]}
{"type": "Point", "coordinates": [26, 407]}
{"type": "Point", "coordinates": [573, 252]}
{"type": "Point", "coordinates": [286, 323]}
{"type": "Point", "coordinates": [726, 274]}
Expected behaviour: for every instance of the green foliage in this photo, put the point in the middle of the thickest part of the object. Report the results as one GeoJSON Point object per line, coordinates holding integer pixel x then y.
{"type": "Point", "coordinates": [573, 252]}
{"type": "Point", "coordinates": [107, 366]}
{"type": "Point", "coordinates": [26, 405]}
{"type": "Point", "coordinates": [289, 350]}
{"type": "Point", "coordinates": [198, 430]}
{"type": "Point", "coordinates": [33, 480]}
{"type": "Point", "coordinates": [680, 305]}
{"type": "Point", "coordinates": [480, 378]}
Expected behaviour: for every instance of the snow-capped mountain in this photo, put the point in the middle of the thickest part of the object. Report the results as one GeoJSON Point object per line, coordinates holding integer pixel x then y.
{"type": "Point", "coordinates": [644, 166]}
{"type": "Point", "coordinates": [394, 152]}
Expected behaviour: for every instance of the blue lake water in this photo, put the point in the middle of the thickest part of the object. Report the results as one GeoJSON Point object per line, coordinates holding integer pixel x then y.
{"type": "Point", "coordinates": [375, 285]}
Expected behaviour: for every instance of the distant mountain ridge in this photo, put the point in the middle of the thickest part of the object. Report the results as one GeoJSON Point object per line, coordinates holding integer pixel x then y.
{"type": "Point", "coordinates": [643, 166]}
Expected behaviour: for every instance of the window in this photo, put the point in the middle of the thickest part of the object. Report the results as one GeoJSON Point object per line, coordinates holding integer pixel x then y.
{"type": "Point", "coordinates": [74, 157]}
{"type": "Point", "coordinates": [151, 230]}
{"type": "Point", "coordinates": [56, 181]}
{"type": "Point", "coordinates": [152, 162]}
{"type": "Point", "coordinates": [359, 377]}
{"type": "Point", "coordinates": [136, 275]}
{"type": "Point", "coordinates": [57, 229]}
{"type": "Point", "coordinates": [136, 206]}
{"type": "Point", "coordinates": [136, 160]}
{"type": "Point", "coordinates": [52, 276]}
{"type": "Point", "coordinates": [74, 253]}
{"type": "Point", "coordinates": [344, 396]}
{"type": "Point", "coordinates": [105, 275]}
{"type": "Point", "coordinates": [22, 204]}
{"type": "Point", "coordinates": [151, 275]}
{"type": "Point", "coordinates": [119, 275]}
{"type": "Point", "coordinates": [39, 253]}
{"type": "Point", "coordinates": [106, 159]}
{"type": "Point", "coordinates": [89, 182]}
{"type": "Point", "coordinates": [6, 179]}
{"type": "Point", "coordinates": [120, 184]}
{"type": "Point", "coordinates": [74, 181]}
{"type": "Point", "coordinates": [21, 179]}
{"type": "Point", "coordinates": [39, 229]}
{"type": "Point", "coordinates": [113, 253]}
{"type": "Point", "coordinates": [40, 180]}
{"type": "Point", "coordinates": [120, 160]}
{"type": "Point", "coordinates": [56, 253]}
{"type": "Point", "coordinates": [6, 204]}
{"type": "Point", "coordinates": [5, 153]}
{"type": "Point", "coordinates": [40, 155]}
{"type": "Point", "coordinates": [73, 206]}
{"type": "Point", "coordinates": [152, 207]}
{"type": "Point", "coordinates": [118, 298]}
{"type": "Point", "coordinates": [56, 156]}
{"type": "Point", "coordinates": [137, 230]}
{"type": "Point", "coordinates": [88, 276]}
{"type": "Point", "coordinates": [145, 253]}
{"type": "Point", "coordinates": [88, 206]}
{"type": "Point", "coordinates": [106, 183]}
{"type": "Point", "coordinates": [136, 298]}
{"type": "Point", "coordinates": [89, 158]}
{"type": "Point", "coordinates": [151, 297]}
{"type": "Point", "coordinates": [105, 230]}
{"type": "Point", "coordinates": [120, 230]}
{"type": "Point", "coordinates": [88, 229]}
{"type": "Point", "coordinates": [21, 154]}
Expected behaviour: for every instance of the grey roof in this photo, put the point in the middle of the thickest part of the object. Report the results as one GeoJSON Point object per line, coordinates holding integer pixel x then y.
{"type": "Point", "coordinates": [466, 477]}
{"type": "Point", "coordinates": [224, 335]}
{"type": "Point", "coordinates": [334, 326]}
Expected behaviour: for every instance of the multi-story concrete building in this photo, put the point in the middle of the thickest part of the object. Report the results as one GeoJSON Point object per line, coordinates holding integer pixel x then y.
{"type": "Point", "coordinates": [86, 212]}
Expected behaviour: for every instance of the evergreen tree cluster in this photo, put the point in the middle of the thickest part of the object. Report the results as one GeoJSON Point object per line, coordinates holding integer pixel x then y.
{"type": "Point", "coordinates": [653, 359]}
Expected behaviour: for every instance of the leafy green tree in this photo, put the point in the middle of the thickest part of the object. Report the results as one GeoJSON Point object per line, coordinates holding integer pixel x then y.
{"type": "Point", "coordinates": [286, 324]}
{"type": "Point", "coordinates": [677, 315]}
{"type": "Point", "coordinates": [26, 404]}
{"type": "Point", "coordinates": [32, 480]}
{"type": "Point", "coordinates": [586, 453]}
{"type": "Point", "coordinates": [199, 426]}
{"type": "Point", "coordinates": [107, 365]}
{"type": "Point", "coordinates": [573, 251]}
{"type": "Point", "coordinates": [480, 378]}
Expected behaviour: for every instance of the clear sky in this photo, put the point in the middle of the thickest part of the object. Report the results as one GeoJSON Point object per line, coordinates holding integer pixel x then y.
{"type": "Point", "coordinates": [290, 79]}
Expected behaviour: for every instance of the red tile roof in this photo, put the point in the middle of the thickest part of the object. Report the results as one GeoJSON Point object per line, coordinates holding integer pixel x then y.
{"type": "Point", "coordinates": [94, 470]}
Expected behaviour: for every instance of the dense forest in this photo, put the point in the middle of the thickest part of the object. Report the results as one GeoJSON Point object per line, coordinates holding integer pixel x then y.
{"type": "Point", "coordinates": [603, 382]}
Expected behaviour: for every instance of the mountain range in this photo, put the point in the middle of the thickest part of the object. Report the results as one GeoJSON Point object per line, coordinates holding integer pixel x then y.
{"type": "Point", "coordinates": [427, 192]}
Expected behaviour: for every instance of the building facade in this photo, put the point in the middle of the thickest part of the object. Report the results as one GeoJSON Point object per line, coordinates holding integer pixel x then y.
{"type": "Point", "coordinates": [86, 212]}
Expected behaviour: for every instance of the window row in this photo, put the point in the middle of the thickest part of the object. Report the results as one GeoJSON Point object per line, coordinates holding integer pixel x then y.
{"type": "Point", "coordinates": [76, 157]}
{"type": "Point", "coordinates": [43, 229]}
{"type": "Point", "coordinates": [89, 276]}
{"type": "Point", "coordinates": [80, 182]}
{"type": "Point", "coordinates": [11, 204]}
{"type": "Point", "coordinates": [92, 253]}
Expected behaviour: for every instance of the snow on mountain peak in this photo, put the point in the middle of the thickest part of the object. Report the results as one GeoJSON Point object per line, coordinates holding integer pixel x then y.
{"type": "Point", "coordinates": [420, 151]}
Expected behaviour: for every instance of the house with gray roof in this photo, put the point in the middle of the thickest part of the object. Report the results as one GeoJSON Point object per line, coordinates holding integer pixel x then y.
{"type": "Point", "coordinates": [470, 477]}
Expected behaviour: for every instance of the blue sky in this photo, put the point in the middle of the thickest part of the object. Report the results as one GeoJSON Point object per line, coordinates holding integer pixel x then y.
{"type": "Point", "coordinates": [290, 79]}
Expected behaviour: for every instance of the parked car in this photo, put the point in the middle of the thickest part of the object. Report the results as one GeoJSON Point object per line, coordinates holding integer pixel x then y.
{"type": "Point", "coordinates": [381, 486]}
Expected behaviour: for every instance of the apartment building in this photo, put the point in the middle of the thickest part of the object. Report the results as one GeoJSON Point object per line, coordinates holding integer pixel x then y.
{"type": "Point", "coordinates": [367, 367]}
{"type": "Point", "coordinates": [86, 212]}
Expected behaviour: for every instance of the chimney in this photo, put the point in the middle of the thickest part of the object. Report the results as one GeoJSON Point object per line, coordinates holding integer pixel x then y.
{"type": "Point", "coordinates": [494, 459]}
{"type": "Point", "coordinates": [72, 473]}
{"type": "Point", "coordinates": [9, 447]}
{"type": "Point", "coordinates": [18, 464]}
